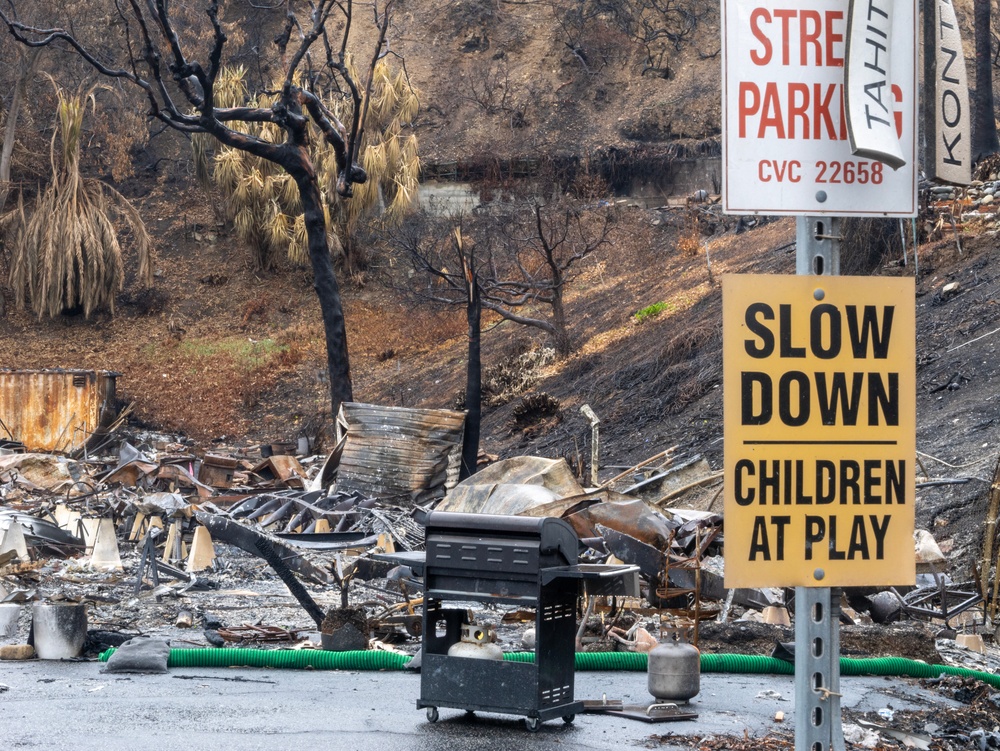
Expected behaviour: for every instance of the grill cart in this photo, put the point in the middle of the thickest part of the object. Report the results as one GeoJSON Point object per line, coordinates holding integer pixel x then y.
{"type": "Point", "coordinates": [523, 561]}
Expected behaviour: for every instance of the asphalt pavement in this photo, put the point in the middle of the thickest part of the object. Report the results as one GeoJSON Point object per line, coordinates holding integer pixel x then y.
{"type": "Point", "coordinates": [74, 706]}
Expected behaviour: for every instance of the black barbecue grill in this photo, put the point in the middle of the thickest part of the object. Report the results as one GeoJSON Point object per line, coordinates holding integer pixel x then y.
{"type": "Point", "coordinates": [529, 562]}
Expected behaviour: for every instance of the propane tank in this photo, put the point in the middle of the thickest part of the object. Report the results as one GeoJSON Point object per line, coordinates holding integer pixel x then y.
{"type": "Point", "coordinates": [477, 642]}
{"type": "Point", "coordinates": [674, 668]}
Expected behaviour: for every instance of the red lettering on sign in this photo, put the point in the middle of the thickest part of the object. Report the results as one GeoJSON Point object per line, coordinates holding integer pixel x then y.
{"type": "Point", "coordinates": [811, 28]}
{"type": "Point", "coordinates": [897, 115]}
{"type": "Point", "coordinates": [793, 110]}
{"type": "Point", "coordinates": [749, 104]}
{"type": "Point", "coordinates": [758, 15]}
{"type": "Point", "coordinates": [798, 108]}
{"type": "Point", "coordinates": [785, 16]}
{"type": "Point", "coordinates": [771, 112]}
{"type": "Point", "coordinates": [779, 171]}
{"type": "Point", "coordinates": [833, 38]}
{"type": "Point", "coordinates": [805, 37]}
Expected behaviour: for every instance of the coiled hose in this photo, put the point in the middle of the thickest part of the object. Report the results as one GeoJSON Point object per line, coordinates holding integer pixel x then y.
{"type": "Point", "coordinates": [710, 663]}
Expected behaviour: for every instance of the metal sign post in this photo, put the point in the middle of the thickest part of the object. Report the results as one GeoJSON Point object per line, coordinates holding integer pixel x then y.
{"type": "Point", "coordinates": [817, 609]}
{"type": "Point", "coordinates": [817, 670]}
{"type": "Point", "coordinates": [819, 121]}
{"type": "Point", "coordinates": [820, 408]}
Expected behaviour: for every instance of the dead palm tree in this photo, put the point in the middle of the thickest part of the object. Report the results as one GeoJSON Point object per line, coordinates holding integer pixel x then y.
{"type": "Point", "coordinates": [68, 252]}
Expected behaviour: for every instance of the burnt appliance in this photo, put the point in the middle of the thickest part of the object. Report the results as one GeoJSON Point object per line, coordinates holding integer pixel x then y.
{"type": "Point", "coordinates": [515, 560]}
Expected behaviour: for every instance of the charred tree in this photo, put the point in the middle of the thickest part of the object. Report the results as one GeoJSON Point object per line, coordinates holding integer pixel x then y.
{"type": "Point", "coordinates": [180, 92]}
{"type": "Point", "coordinates": [474, 368]}
{"type": "Point", "coordinates": [527, 259]}
{"type": "Point", "coordinates": [432, 249]}
{"type": "Point", "coordinates": [26, 70]}
{"type": "Point", "coordinates": [984, 126]}
{"type": "Point", "coordinates": [537, 258]}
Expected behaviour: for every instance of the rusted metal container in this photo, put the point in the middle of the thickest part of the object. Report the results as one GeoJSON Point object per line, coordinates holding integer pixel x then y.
{"type": "Point", "coordinates": [56, 410]}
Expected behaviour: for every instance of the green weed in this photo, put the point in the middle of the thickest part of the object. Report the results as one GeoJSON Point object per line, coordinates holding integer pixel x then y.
{"type": "Point", "coordinates": [652, 311]}
{"type": "Point", "coordinates": [242, 351]}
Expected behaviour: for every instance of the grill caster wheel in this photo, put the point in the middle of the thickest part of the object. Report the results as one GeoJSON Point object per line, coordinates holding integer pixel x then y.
{"type": "Point", "coordinates": [568, 719]}
{"type": "Point", "coordinates": [532, 723]}
{"type": "Point", "coordinates": [432, 714]}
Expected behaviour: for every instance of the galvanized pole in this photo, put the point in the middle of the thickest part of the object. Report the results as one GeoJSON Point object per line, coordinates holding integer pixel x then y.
{"type": "Point", "coordinates": [595, 441]}
{"type": "Point", "coordinates": [817, 609]}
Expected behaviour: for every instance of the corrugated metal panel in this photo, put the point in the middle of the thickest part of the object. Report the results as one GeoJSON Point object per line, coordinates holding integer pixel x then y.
{"type": "Point", "coordinates": [55, 410]}
{"type": "Point", "coordinates": [400, 453]}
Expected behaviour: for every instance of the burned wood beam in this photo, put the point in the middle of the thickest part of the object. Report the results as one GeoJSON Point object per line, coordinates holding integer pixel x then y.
{"type": "Point", "coordinates": [245, 538]}
{"type": "Point", "coordinates": [265, 549]}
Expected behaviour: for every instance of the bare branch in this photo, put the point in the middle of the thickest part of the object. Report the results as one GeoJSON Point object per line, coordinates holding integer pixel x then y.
{"type": "Point", "coordinates": [510, 315]}
{"type": "Point", "coordinates": [346, 177]}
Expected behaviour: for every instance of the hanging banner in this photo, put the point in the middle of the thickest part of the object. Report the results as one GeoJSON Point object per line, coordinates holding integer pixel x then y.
{"type": "Point", "coordinates": [819, 395]}
{"type": "Point", "coordinates": [873, 124]}
{"type": "Point", "coordinates": [951, 99]}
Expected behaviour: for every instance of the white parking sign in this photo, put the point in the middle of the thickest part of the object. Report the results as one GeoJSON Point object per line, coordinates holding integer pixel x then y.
{"type": "Point", "coordinates": [786, 146]}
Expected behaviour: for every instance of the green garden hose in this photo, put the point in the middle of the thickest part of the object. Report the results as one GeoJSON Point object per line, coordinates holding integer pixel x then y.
{"type": "Point", "coordinates": [316, 659]}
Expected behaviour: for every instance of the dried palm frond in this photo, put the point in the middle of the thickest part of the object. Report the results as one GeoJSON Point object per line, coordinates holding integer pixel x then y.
{"type": "Point", "coordinates": [271, 133]}
{"type": "Point", "coordinates": [256, 185]}
{"type": "Point", "coordinates": [374, 159]}
{"type": "Point", "coordinates": [289, 197]}
{"type": "Point", "coordinates": [410, 159]}
{"type": "Point", "coordinates": [69, 254]}
{"type": "Point", "coordinates": [393, 154]}
{"type": "Point", "coordinates": [230, 86]}
{"type": "Point", "coordinates": [276, 228]}
{"type": "Point", "coordinates": [253, 187]}
{"type": "Point", "coordinates": [244, 223]}
{"type": "Point", "coordinates": [140, 236]}
{"type": "Point", "coordinates": [352, 71]}
{"type": "Point", "coordinates": [201, 145]}
{"type": "Point", "coordinates": [327, 175]}
{"type": "Point", "coordinates": [404, 197]}
{"type": "Point", "coordinates": [249, 189]}
{"type": "Point", "coordinates": [298, 245]}
{"type": "Point", "coordinates": [384, 98]}
{"type": "Point", "coordinates": [341, 108]}
{"type": "Point", "coordinates": [229, 169]}
{"type": "Point", "coordinates": [409, 98]}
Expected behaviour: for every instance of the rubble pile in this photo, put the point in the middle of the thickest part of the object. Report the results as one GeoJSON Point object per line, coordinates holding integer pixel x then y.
{"type": "Point", "coordinates": [252, 547]}
{"type": "Point", "coordinates": [136, 533]}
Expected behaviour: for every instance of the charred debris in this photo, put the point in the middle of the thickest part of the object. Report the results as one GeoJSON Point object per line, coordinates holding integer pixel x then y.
{"type": "Point", "coordinates": [154, 536]}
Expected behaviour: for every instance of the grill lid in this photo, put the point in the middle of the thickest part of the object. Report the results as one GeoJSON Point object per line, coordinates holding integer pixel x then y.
{"type": "Point", "coordinates": [520, 541]}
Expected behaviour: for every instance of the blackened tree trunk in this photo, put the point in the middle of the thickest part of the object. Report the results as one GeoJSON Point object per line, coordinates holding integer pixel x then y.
{"type": "Point", "coordinates": [328, 292]}
{"type": "Point", "coordinates": [561, 331]}
{"type": "Point", "coordinates": [473, 373]}
{"type": "Point", "coordinates": [984, 128]}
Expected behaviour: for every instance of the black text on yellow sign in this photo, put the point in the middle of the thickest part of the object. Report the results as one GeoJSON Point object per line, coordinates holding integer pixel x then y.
{"type": "Point", "coordinates": [819, 393]}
